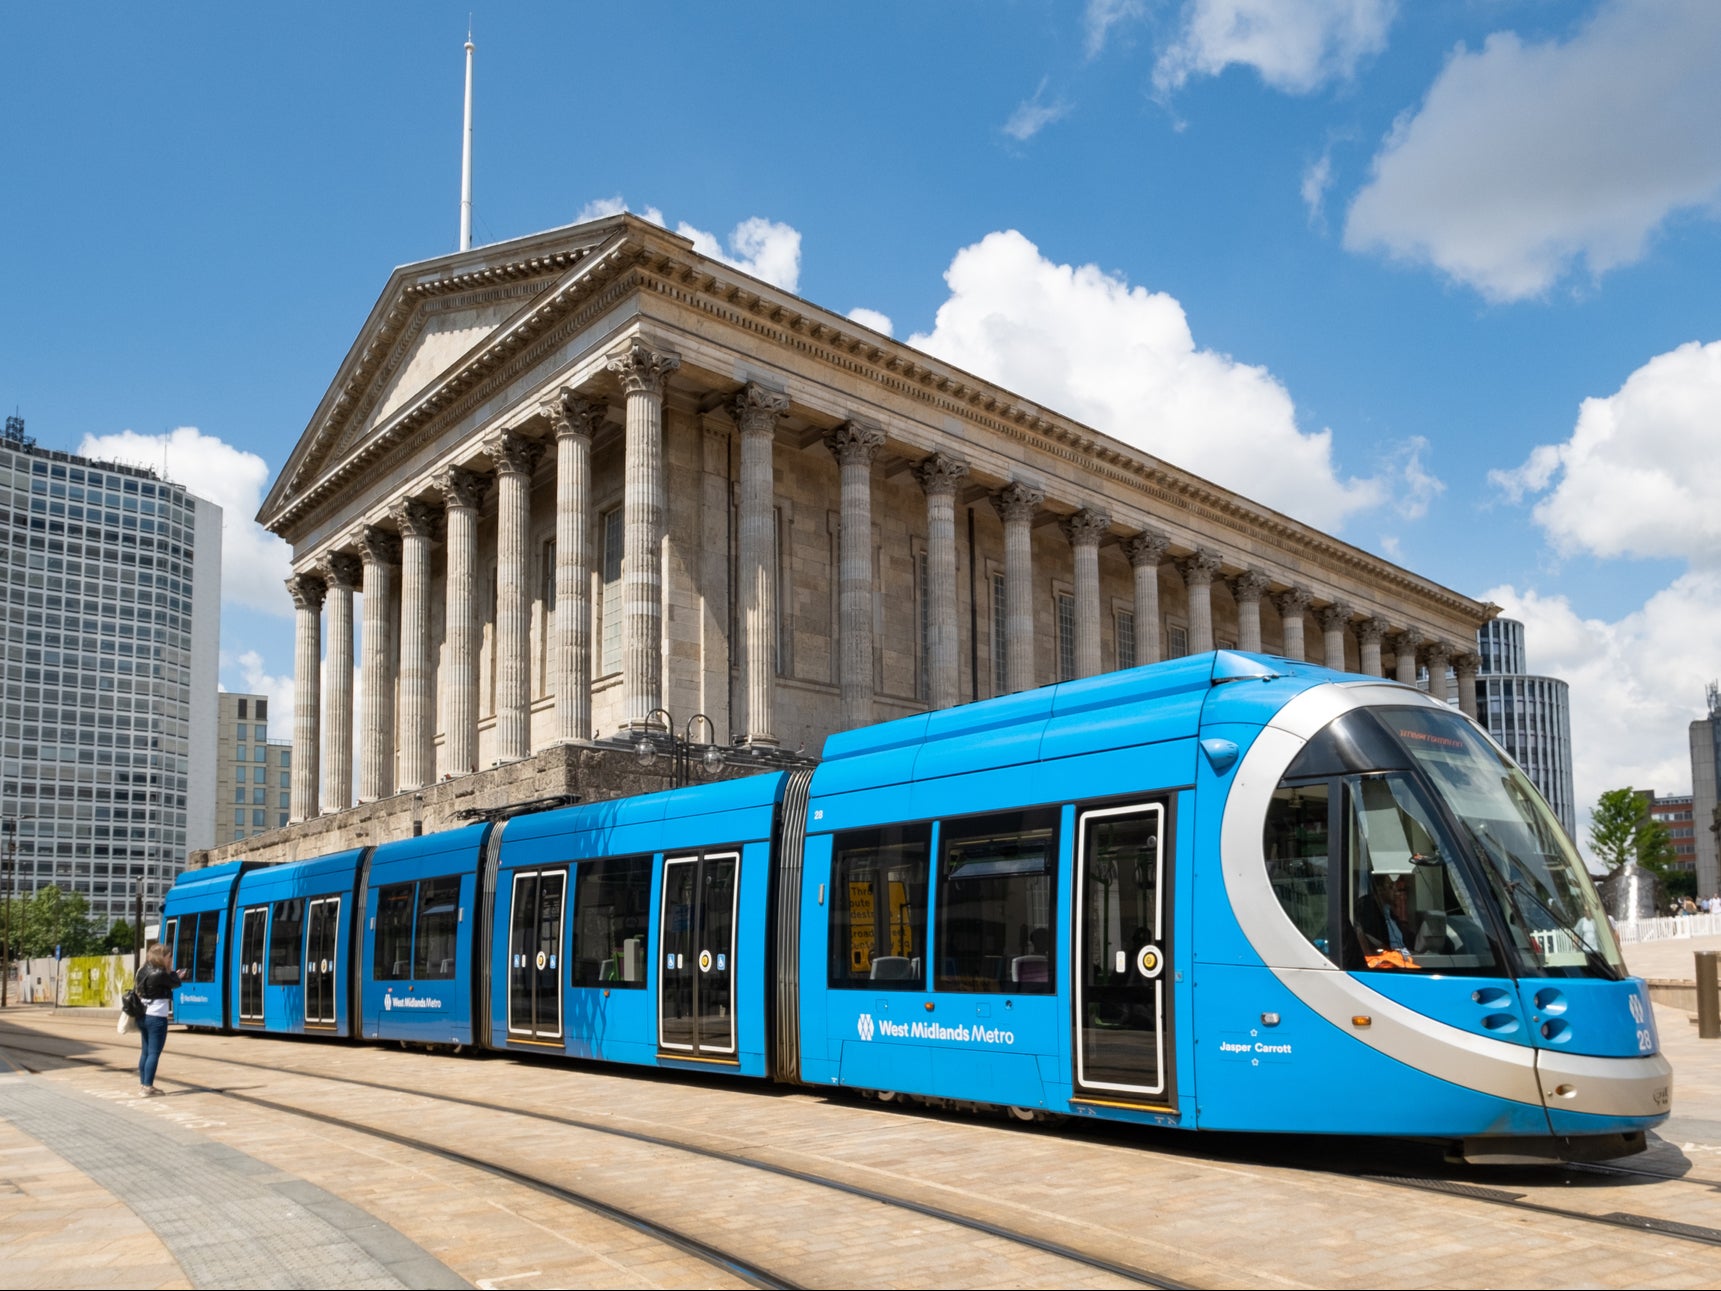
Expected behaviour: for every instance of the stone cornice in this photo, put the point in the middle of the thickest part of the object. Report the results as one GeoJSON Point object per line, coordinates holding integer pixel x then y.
{"type": "Point", "coordinates": [597, 265]}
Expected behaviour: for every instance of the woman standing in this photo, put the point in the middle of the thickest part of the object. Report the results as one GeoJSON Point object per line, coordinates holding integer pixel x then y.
{"type": "Point", "coordinates": [155, 986]}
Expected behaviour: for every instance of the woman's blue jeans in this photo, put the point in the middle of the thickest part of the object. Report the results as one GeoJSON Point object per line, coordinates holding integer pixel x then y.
{"type": "Point", "coordinates": [154, 1037]}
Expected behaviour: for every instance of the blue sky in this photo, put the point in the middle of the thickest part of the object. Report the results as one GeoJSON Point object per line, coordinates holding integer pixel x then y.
{"type": "Point", "coordinates": [1441, 278]}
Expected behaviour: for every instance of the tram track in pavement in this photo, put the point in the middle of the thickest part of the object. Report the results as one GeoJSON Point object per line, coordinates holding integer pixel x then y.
{"type": "Point", "coordinates": [738, 1266]}
{"type": "Point", "coordinates": [1506, 1187]}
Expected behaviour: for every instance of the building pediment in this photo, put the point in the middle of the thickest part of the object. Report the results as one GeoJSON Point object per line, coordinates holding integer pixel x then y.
{"type": "Point", "coordinates": [432, 319]}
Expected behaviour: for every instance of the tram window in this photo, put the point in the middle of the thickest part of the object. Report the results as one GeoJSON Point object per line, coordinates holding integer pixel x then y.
{"type": "Point", "coordinates": [612, 914]}
{"type": "Point", "coordinates": [1411, 908]}
{"type": "Point", "coordinates": [394, 918]}
{"type": "Point", "coordinates": [1297, 849]}
{"type": "Point", "coordinates": [170, 936]}
{"type": "Point", "coordinates": [286, 942]}
{"type": "Point", "coordinates": [438, 928]}
{"type": "Point", "coordinates": [208, 929]}
{"type": "Point", "coordinates": [878, 908]}
{"type": "Point", "coordinates": [996, 913]}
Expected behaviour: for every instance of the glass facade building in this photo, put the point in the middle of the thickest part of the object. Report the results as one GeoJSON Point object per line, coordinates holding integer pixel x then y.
{"type": "Point", "coordinates": [253, 773]}
{"type": "Point", "coordinates": [112, 590]}
{"type": "Point", "coordinates": [1529, 716]}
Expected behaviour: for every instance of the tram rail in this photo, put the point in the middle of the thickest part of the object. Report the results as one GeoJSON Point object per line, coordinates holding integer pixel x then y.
{"type": "Point", "coordinates": [738, 1266]}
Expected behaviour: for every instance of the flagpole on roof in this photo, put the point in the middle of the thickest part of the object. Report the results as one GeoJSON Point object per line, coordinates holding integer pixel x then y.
{"type": "Point", "coordinates": [466, 155]}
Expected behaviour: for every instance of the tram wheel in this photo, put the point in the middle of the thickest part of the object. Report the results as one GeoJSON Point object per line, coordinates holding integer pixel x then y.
{"type": "Point", "coordinates": [1025, 1114]}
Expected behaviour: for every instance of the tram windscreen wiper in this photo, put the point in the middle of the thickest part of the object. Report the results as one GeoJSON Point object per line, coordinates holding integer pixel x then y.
{"type": "Point", "coordinates": [1505, 869]}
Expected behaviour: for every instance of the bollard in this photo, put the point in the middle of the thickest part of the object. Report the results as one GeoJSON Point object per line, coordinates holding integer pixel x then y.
{"type": "Point", "coordinates": [1708, 997]}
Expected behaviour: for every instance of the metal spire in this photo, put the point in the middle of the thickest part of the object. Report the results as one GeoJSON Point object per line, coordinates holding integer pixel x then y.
{"type": "Point", "coordinates": [466, 154]}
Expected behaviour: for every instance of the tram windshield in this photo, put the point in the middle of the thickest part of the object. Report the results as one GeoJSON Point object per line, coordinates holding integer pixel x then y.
{"type": "Point", "coordinates": [1545, 893]}
{"type": "Point", "coordinates": [1402, 840]}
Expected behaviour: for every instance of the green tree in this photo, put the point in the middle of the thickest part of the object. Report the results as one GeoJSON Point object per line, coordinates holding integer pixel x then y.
{"type": "Point", "coordinates": [51, 918]}
{"type": "Point", "coordinates": [1621, 830]}
{"type": "Point", "coordinates": [120, 937]}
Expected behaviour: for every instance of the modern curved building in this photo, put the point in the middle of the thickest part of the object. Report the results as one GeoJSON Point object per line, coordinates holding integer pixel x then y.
{"type": "Point", "coordinates": [1530, 716]}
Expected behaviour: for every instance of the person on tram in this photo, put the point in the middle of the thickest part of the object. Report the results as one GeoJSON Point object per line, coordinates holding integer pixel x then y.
{"type": "Point", "coordinates": [1382, 916]}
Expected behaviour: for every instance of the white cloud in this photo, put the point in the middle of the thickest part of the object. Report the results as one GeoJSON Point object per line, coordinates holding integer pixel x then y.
{"type": "Point", "coordinates": [1317, 178]}
{"type": "Point", "coordinates": [1526, 160]}
{"type": "Point", "coordinates": [1101, 16]}
{"type": "Point", "coordinates": [873, 319]}
{"type": "Point", "coordinates": [258, 680]}
{"type": "Point", "coordinates": [1636, 684]}
{"type": "Point", "coordinates": [254, 562]}
{"type": "Point", "coordinates": [1034, 115]}
{"type": "Point", "coordinates": [761, 247]}
{"type": "Point", "coordinates": [1641, 472]}
{"type": "Point", "coordinates": [1296, 46]}
{"type": "Point", "coordinates": [1122, 359]}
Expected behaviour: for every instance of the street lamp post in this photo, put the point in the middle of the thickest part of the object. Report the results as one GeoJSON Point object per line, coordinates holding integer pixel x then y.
{"type": "Point", "coordinates": [681, 747]}
{"type": "Point", "coordinates": [10, 864]}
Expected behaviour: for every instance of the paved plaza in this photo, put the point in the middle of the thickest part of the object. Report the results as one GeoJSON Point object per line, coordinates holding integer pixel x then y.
{"type": "Point", "coordinates": [225, 1182]}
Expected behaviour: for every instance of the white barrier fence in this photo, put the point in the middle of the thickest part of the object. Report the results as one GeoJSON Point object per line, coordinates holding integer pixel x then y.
{"type": "Point", "coordinates": [1667, 928]}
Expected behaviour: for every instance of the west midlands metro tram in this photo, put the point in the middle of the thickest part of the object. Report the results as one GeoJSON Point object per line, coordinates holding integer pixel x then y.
{"type": "Point", "coordinates": [1227, 892]}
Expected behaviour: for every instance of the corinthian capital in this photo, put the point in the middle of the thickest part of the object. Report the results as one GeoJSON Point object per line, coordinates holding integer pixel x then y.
{"type": "Point", "coordinates": [1085, 526]}
{"type": "Point", "coordinates": [1409, 641]}
{"type": "Point", "coordinates": [416, 519]}
{"type": "Point", "coordinates": [758, 408]}
{"type": "Point", "coordinates": [1146, 548]}
{"type": "Point", "coordinates": [463, 488]}
{"type": "Point", "coordinates": [571, 413]}
{"type": "Point", "coordinates": [513, 453]}
{"type": "Point", "coordinates": [1017, 502]}
{"type": "Point", "coordinates": [307, 591]}
{"type": "Point", "coordinates": [642, 369]}
{"type": "Point", "coordinates": [1249, 586]}
{"type": "Point", "coordinates": [1292, 603]}
{"type": "Point", "coordinates": [855, 442]}
{"type": "Point", "coordinates": [940, 473]}
{"type": "Point", "coordinates": [379, 546]}
{"type": "Point", "coordinates": [1198, 569]}
{"type": "Point", "coordinates": [341, 569]}
{"type": "Point", "coordinates": [1372, 631]}
{"type": "Point", "coordinates": [1334, 617]}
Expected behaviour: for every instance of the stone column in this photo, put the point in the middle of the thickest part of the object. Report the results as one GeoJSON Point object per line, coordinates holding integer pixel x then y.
{"type": "Point", "coordinates": [757, 412]}
{"type": "Point", "coordinates": [1291, 606]}
{"type": "Point", "coordinates": [1408, 643]}
{"type": "Point", "coordinates": [462, 492]}
{"type": "Point", "coordinates": [575, 419]}
{"type": "Point", "coordinates": [515, 458]}
{"type": "Point", "coordinates": [855, 444]}
{"type": "Point", "coordinates": [1465, 666]}
{"type": "Point", "coordinates": [1248, 588]}
{"type": "Point", "coordinates": [307, 591]}
{"type": "Point", "coordinates": [1145, 551]}
{"type": "Point", "coordinates": [643, 372]}
{"type": "Point", "coordinates": [939, 475]}
{"type": "Point", "coordinates": [1198, 571]}
{"type": "Point", "coordinates": [1084, 530]}
{"type": "Point", "coordinates": [1369, 634]}
{"type": "Point", "coordinates": [1438, 657]}
{"type": "Point", "coordinates": [1333, 620]}
{"type": "Point", "coordinates": [380, 551]}
{"type": "Point", "coordinates": [341, 573]}
{"type": "Point", "coordinates": [417, 522]}
{"type": "Point", "coordinates": [1017, 504]}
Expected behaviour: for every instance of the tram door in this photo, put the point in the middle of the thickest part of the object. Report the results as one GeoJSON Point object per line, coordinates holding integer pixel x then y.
{"type": "Point", "coordinates": [696, 995]}
{"type": "Point", "coordinates": [321, 921]}
{"type": "Point", "coordinates": [535, 955]}
{"type": "Point", "coordinates": [256, 923]}
{"type": "Point", "coordinates": [1122, 912]}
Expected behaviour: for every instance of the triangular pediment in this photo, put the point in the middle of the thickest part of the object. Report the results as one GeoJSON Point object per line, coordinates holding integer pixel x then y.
{"type": "Point", "coordinates": [431, 318]}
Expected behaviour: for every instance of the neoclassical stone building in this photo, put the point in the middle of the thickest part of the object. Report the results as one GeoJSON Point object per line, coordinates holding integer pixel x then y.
{"type": "Point", "coordinates": [562, 482]}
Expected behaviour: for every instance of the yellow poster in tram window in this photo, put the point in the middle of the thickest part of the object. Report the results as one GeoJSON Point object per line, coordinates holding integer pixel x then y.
{"type": "Point", "coordinates": [860, 926]}
{"type": "Point", "coordinates": [901, 931]}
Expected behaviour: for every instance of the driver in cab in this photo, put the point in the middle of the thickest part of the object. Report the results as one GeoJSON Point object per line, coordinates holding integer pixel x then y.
{"type": "Point", "coordinates": [1382, 915]}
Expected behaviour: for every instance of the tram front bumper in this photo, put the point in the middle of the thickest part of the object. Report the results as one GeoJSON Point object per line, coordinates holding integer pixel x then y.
{"type": "Point", "coordinates": [1638, 1089]}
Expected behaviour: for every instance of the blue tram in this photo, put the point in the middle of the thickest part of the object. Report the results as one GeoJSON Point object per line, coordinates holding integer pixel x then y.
{"type": "Point", "coordinates": [1225, 892]}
